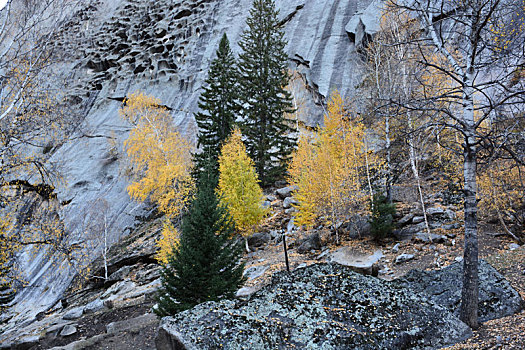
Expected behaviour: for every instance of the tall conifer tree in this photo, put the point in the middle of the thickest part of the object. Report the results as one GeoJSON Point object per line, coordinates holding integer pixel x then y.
{"type": "Point", "coordinates": [218, 104]}
{"type": "Point", "coordinates": [206, 263]}
{"type": "Point", "coordinates": [263, 67]}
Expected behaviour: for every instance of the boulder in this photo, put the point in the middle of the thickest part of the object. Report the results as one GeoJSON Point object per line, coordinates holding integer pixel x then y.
{"type": "Point", "coordinates": [406, 194]}
{"type": "Point", "coordinates": [514, 246]}
{"type": "Point", "coordinates": [94, 306]}
{"type": "Point", "coordinates": [322, 306]}
{"type": "Point", "coordinates": [366, 264]}
{"type": "Point", "coordinates": [309, 243]}
{"type": "Point", "coordinates": [423, 237]}
{"type": "Point", "coordinates": [434, 211]}
{"type": "Point", "coordinates": [288, 201]}
{"type": "Point", "coordinates": [450, 226]}
{"type": "Point", "coordinates": [245, 292]}
{"type": "Point", "coordinates": [418, 219]}
{"type": "Point", "coordinates": [258, 239]}
{"type": "Point", "coordinates": [254, 272]}
{"type": "Point", "coordinates": [68, 330]}
{"type": "Point", "coordinates": [395, 248]}
{"type": "Point", "coordinates": [120, 274]}
{"type": "Point", "coordinates": [290, 211]}
{"type": "Point", "coordinates": [23, 343]}
{"type": "Point", "coordinates": [134, 323]}
{"type": "Point", "coordinates": [285, 191]}
{"type": "Point", "coordinates": [496, 296]}
{"type": "Point", "coordinates": [404, 234]}
{"type": "Point", "coordinates": [359, 227]}
{"type": "Point", "coordinates": [271, 198]}
{"type": "Point", "coordinates": [406, 219]}
{"type": "Point", "coordinates": [53, 331]}
{"type": "Point", "coordinates": [403, 258]}
{"type": "Point", "coordinates": [73, 314]}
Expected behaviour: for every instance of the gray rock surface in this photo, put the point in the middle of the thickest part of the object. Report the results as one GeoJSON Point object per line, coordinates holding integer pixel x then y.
{"type": "Point", "coordinates": [25, 342]}
{"type": "Point", "coordinates": [285, 192]}
{"type": "Point", "coordinates": [245, 292]}
{"type": "Point", "coordinates": [73, 314]}
{"type": "Point", "coordinates": [362, 263]}
{"type": "Point", "coordinates": [496, 296]}
{"type": "Point", "coordinates": [514, 246]}
{"type": "Point", "coordinates": [254, 272]}
{"type": "Point", "coordinates": [309, 243]}
{"type": "Point", "coordinates": [133, 323]}
{"type": "Point", "coordinates": [94, 306]}
{"type": "Point", "coordinates": [323, 306]}
{"type": "Point", "coordinates": [288, 201]}
{"type": "Point", "coordinates": [68, 330]}
{"type": "Point", "coordinates": [418, 219]}
{"type": "Point", "coordinates": [423, 237]}
{"type": "Point", "coordinates": [403, 258]}
{"type": "Point", "coordinates": [364, 24]}
{"type": "Point", "coordinates": [163, 48]}
{"type": "Point", "coordinates": [258, 239]}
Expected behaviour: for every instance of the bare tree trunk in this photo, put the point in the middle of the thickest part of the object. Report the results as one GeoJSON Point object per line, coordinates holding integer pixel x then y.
{"type": "Point", "coordinates": [370, 190]}
{"type": "Point", "coordinates": [388, 160]}
{"type": "Point", "coordinates": [469, 292]}
{"type": "Point", "coordinates": [105, 247]}
{"type": "Point", "coordinates": [413, 164]}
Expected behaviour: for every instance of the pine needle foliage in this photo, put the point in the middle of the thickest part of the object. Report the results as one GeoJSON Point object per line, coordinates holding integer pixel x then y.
{"type": "Point", "coordinates": [206, 264]}
{"type": "Point", "coordinates": [218, 105]}
{"type": "Point", "coordinates": [382, 217]}
{"type": "Point", "coordinates": [263, 66]}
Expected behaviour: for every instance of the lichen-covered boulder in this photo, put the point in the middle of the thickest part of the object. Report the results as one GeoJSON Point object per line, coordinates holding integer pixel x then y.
{"type": "Point", "coordinates": [497, 298]}
{"type": "Point", "coordinates": [324, 306]}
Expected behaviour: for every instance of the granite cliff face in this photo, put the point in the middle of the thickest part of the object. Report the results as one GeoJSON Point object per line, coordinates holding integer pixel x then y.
{"type": "Point", "coordinates": [164, 47]}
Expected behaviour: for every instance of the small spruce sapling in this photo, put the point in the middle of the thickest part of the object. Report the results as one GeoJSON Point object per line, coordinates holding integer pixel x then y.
{"type": "Point", "coordinates": [382, 217]}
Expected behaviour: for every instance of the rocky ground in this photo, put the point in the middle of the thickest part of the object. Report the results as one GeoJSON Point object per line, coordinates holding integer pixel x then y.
{"type": "Point", "coordinates": [117, 314]}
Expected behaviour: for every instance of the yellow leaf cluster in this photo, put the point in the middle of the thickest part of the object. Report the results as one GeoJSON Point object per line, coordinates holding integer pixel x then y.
{"type": "Point", "coordinates": [168, 241]}
{"type": "Point", "coordinates": [328, 168]}
{"type": "Point", "coordinates": [506, 29]}
{"type": "Point", "coordinates": [8, 246]}
{"type": "Point", "coordinates": [239, 184]}
{"type": "Point", "coordinates": [501, 188]}
{"type": "Point", "coordinates": [160, 156]}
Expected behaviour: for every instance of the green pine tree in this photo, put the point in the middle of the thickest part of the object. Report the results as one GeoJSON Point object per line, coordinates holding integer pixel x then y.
{"type": "Point", "coordinates": [206, 263]}
{"type": "Point", "coordinates": [218, 104]}
{"type": "Point", "coordinates": [263, 65]}
{"type": "Point", "coordinates": [382, 218]}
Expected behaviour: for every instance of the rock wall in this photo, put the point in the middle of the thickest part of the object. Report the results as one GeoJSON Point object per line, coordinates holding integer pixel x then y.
{"type": "Point", "coordinates": [163, 47]}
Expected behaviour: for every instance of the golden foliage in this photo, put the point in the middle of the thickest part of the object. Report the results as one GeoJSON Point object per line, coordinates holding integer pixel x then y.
{"type": "Point", "coordinates": [330, 168]}
{"type": "Point", "coordinates": [168, 242]}
{"type": "Point", "coordinates": [8, 245]}
{"type": "Point", "coordinates": [505, 29]}
{"type": "Point", "coordinates": [501, 190]}
{"type": "Point", "coordinates": [160, 156]}
{"type": "Point", "coordinates": [239, 184]}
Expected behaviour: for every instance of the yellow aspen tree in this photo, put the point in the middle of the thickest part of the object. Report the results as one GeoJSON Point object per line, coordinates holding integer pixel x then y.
{"type": "Point", "coordinates": [239, 186]}
{"type": "Point", "coordinates": [501, 191]}
{"type": "Point", "coordinates": [306, 195]}
{"type": "Point", "coordinates": [160, 156]}
{"type": "Point", "coordinates": [168, 241]}
{"type": "Point", "coordinates": [331, 170]}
